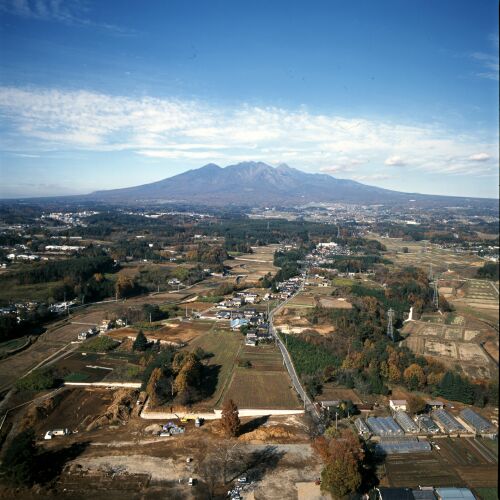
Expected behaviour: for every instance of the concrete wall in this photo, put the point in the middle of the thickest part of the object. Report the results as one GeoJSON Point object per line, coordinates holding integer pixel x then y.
{"type": "Point", "coordinates": [216, 414]}
{"type": "Point", "coordinates": [129, 385]}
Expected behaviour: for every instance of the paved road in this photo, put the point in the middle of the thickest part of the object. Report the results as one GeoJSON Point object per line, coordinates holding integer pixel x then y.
{"type": "Point", "coordinates": [308, 404]}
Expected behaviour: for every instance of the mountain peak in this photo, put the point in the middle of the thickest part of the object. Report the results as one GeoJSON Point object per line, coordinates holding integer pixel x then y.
{"type": "Point", "coordinates": [254, 183]}
{"type": "Point", "coordinates": [209, 166]}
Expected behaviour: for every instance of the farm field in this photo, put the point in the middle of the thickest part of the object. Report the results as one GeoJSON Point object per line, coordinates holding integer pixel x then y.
{"type": "Point", "coordinates": [225, 347]}
{"type": "Point", "coordinates": [93, 367]}
{"type": "Point", "coordinates": [265, 384]}
{"type": "Point", "coordinates": [73, 407]}
{"type": "Point", "coordinates": [426, 469]}
{"type": "Point", "coordinates": [259, 389]}
{"type": "Point", "coordinates": [171, 331]}
{"type": "Point", "coordinates": [422, 254]}
{"type": "Point", "coordinates": [331, 392]}
{"type": "Point", "coordinates": [455, 339]}
{"type": "Point", "coordinates": [459, 462]}
{"type": "Point", "coordinates": [39, 292]}
{"type": "Point", "coordinates": [60, 334]}
{"type": "Point", "coordinates": [254, 266]}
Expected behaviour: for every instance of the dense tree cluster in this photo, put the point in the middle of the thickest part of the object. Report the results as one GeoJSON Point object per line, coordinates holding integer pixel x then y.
{"type": "Point", "coordinates": [490, 270]}
{"type": "Point", "coordinates": [77, 269]}
{"type": "Point", "coordinates": [343, 458]}
{"type": "Point", "coordinates": [174, 378]}
{"type": "Point", "coordinates": [209, 254]}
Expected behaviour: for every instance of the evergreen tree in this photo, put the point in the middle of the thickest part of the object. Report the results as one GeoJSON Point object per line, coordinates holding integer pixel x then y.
{"type": "Point", "coordinates": [140, 342]}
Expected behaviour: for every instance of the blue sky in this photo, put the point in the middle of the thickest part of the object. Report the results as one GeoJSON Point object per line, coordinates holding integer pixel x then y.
{"type": "Point", "coordinates": [398, 94]}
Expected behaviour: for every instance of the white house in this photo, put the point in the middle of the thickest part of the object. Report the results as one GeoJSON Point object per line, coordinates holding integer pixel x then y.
{"type": "Point", "coordinates": [398, 404]}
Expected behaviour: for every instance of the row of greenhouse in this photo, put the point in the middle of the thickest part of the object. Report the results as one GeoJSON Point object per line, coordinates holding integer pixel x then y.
{"type": "Point", "coordinates": [439, 421]}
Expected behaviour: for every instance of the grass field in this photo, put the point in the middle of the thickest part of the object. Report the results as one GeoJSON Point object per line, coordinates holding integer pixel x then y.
{"type": "Point", "coordinates": [39, 292]}
{"type": "Point", "coordinates": [225, 346]}
{"type": "Point", "coordinates": [252, 388]}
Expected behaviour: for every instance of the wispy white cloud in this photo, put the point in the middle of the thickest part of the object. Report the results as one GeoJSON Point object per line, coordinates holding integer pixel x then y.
{"type": "Point", "coordinates": [40, 120]}
{"type": "Point", "coordinates": [70, 12]}
{"type": "Point", "coordinates": [395, 161]}
{"type": "Point", "coordinates": [488, 61]}
{"type": "Point", "coordinates": [479, 157]}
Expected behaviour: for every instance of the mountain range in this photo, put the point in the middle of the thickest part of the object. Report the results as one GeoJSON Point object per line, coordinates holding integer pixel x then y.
{"type": "Point", "coordinates": [259, 184]}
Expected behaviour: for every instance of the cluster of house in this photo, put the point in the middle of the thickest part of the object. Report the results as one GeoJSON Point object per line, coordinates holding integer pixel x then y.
{"type": "Point", "coordinates": [244, 317]}
{"type": "Point", "coordinates": [62, 307]}
{"type": "Point", "coordinates": [69, 217]}
{"type": "Point", "coordinates": [104, 327]}
{"type": "Point", "coordinates": [256, 335]}
{"type": "Point", "coordinates": [258, 328]}
{"type": "Point", "coordinates": [239, 300]}
{"type": "Point", "coordinates": [317, 280]}
{"type": "Point", "coordinates": [63, 248]}
{"type": "Point", "coordinates": [22, 256]}
{"type": "Point", "coordinates": [19, 309]}
{"type": "Point", "coordinates": [287, 288]}
{"type": "Point", "coordinates": [437, 421]}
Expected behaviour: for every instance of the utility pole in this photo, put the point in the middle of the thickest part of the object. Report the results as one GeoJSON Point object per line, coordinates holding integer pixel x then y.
{"type": "Point", "coordinates": [390, 326]}
{"type": "Point", "coordinates": [431, 274]}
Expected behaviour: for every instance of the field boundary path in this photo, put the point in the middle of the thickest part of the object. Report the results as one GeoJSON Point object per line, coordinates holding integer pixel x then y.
{"type": "Point", "coordinates": [308, 404]}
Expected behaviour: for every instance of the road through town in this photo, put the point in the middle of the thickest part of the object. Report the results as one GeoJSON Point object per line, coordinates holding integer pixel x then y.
{"type": "Point", "coordinates": [308, 404]}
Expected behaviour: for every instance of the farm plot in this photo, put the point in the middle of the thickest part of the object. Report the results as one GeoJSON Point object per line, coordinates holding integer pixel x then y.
{"type": "Point", "coordinates": [330, 392]}
{"type": "Point", "coordinates": [74, 407]}
{"type": "Point", "coordinates": [262, 357]}
{"type": "Point", "coordinates": [262, 389]}
{"type": "Point", "coordinates": [87, 367]}
{"type": "Point", "coordinates": [334, 303]}
{"type": "Point", "coordinates": [302, 300]}
{"type": "Point", "coordinates": [175, 331]}
{"type": "Point", "coordinates": [425, 468]}
{"type": "Point", "coordinates": [254, 266]}
{"type": "Point", "coordinates": [263, 383]}
{"type": "Point", "coordinates": [472, 461]}
{"type": "Point", "coordinates": [225, 347]}
{"type": "Point", "coordinates": [458, 342]}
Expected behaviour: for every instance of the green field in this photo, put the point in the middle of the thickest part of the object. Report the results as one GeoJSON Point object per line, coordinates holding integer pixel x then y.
{"type": "Point", "coordinates": [342, 282]}
{"type": "Point", "coordinates": [39, 292]}
{"type": "Point", "coordinates": [224, 345]}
